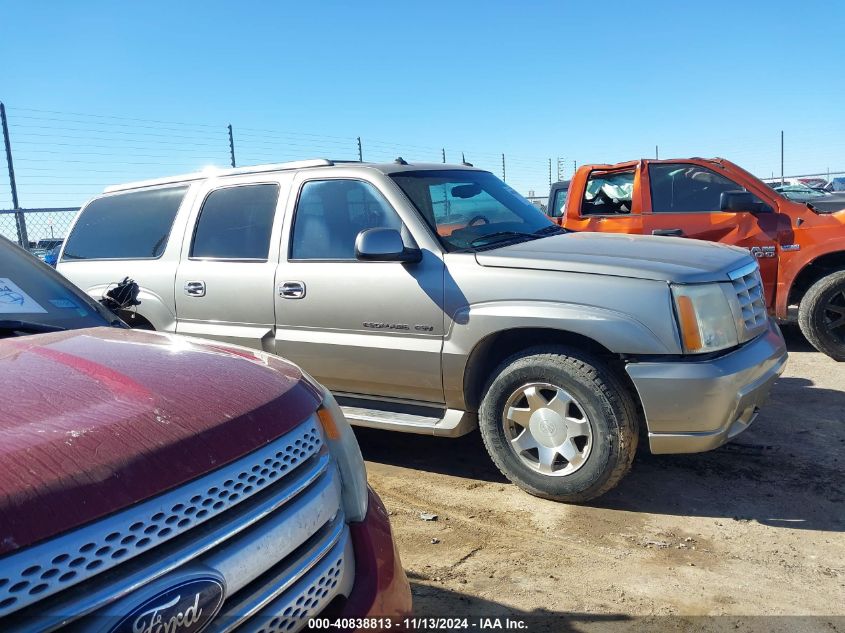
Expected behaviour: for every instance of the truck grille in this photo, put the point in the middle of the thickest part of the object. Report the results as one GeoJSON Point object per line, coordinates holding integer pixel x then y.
{"type": "Point", "coordinates": [748, 286]}
{"type": "Point", "coordinates": [283, 498]}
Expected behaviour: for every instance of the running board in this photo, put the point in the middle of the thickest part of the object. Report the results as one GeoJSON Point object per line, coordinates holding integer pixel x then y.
{"type": "Point", "coordinates": [376, 414]}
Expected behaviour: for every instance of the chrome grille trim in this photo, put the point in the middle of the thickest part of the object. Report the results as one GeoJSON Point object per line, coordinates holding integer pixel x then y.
{"type": "Point", "coordinates": [77, 602]}
{"type": "Point", "coordinates": [43, 570]}
{"type": "Point", "coordinates": [333, 576]}
{"type": "Point", "coordinates": [239, 609]}
{"type": "Point", "coordinates": [751, 302]}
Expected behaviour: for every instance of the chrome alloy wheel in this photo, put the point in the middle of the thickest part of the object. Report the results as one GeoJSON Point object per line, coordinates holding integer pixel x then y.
{"type": "Point", "coordinates": [548, 429]}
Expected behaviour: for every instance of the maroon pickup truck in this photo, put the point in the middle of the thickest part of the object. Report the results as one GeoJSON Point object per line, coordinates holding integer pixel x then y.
{"type": "Point", "coordinates": [157, 483]}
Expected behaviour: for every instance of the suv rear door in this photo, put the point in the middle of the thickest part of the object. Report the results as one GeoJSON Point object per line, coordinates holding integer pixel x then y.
{"type": "Point", "coordinates": [360, 327]}
{"type": "Point", "coordinates": [224, 282]}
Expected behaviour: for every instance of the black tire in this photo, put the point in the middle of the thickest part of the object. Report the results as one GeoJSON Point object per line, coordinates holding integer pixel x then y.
{"type": "Point", "coordinates": [606, 401]}
{"type": "Point", "coordinates": [822, 307]}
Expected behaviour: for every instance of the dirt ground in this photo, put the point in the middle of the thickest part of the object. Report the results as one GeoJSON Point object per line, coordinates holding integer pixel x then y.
{"type": "Point", "coordinates": [753, 528]}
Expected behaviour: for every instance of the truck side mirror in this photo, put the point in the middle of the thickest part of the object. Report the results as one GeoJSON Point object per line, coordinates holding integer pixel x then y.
{"type": "Point", "coordinates": [738, 201]}
{"type": "Point", "coordinates": [384, 245]}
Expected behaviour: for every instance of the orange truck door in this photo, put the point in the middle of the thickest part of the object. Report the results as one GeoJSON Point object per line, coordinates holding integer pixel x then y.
{"type": "Point", "coordinates": [691, 200]}
{"type": "Point", "coordinates": [606, 202]}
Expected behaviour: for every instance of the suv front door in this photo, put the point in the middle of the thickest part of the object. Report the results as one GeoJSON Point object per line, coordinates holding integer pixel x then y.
{"type": "Point", "coordinates": [685, 200]}
{"type": "Point", "coordinates": [359, 327]}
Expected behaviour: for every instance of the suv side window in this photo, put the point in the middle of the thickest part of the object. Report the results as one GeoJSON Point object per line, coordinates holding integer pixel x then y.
{"type": "Point", "coordinates": [608, 193]}
{"type": "Point", "coordinates": [132, 225]}
{"type": "Point", "coordinates": [685, 188]}
{"type": "Point", "coordinates": [235, 223]}
{"type": "Point", "coordinates": [559, 203]}
{"type": "Point", "coordinates": [331, 213]}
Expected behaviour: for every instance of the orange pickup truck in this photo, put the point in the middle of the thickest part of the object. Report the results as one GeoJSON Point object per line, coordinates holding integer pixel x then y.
{"type": "Point", "coordinates": [800, 246]}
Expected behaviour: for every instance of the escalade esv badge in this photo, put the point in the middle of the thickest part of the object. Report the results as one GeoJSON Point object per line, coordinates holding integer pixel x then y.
{"type": "Point", "coordinates": [187, 607]}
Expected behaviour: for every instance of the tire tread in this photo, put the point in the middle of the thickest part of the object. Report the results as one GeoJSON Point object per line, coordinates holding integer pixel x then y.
{"type": "Point", "coordinates": [611, 388]}
{"type": "Point", "coordinates": [810, 321]}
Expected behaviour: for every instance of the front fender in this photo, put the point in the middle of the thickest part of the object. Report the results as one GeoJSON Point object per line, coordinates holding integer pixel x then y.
{"type": "Point", "coordinates": [619, 332]}
{"type": "Point", "coordinates": [793, 266]}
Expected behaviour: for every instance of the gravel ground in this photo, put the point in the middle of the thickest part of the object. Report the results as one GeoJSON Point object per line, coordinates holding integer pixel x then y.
{"type": "Point", "coordinates": [753, 528]}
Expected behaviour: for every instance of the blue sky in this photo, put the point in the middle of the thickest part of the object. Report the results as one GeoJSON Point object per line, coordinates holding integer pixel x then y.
{"type": "Point", "coordinates": [87, 83]}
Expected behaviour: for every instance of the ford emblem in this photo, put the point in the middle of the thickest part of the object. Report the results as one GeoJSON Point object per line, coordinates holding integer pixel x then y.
{"type": "Point", "coordinates": [187, 607]}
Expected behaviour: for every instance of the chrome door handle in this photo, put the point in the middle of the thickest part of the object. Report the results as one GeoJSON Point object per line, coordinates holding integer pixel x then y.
{"type": "Point", "coordinates": [669, 232]}
{"type": "Point", "coordinates": [292, 290]}
{"type": "Point", "coordinates": [195, 288]}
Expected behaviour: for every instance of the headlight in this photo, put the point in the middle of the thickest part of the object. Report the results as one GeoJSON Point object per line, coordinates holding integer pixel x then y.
{"type": "Point", "coordinates": [705, 318]}
{"type": "Point", "coordinates": [344, 448]}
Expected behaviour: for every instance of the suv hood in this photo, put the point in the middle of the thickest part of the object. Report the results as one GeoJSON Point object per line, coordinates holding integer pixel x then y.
{"type": "Point", "coordinates": [96, 420]}
{"type": "Point", "coordinates": [673, 259]}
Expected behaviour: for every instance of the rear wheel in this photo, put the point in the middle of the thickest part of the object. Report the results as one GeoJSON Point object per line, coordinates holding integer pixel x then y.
{"type": "Point", "coordinates": [821, 315]}
{"type": "Point", "coordinates": [559, 424]}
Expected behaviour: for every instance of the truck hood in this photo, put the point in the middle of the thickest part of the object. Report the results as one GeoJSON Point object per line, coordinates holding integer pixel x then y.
{"type": "Point", "coordinates": [672, 259]}
{"type": "Point", "coordinates": [97, 420]}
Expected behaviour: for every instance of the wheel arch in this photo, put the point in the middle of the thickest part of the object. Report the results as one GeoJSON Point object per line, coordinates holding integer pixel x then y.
{"type": "Point", "coordinates": [813, 271]}
{"type": "Point", "coordinates": [151, 313]}
{"type": "Point", "coordinates": [492, 350]}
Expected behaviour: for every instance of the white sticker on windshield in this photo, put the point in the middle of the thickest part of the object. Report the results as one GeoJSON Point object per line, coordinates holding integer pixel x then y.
{"type": "Point", "coordinates": [13, 300]}
{"type": "Point", "coordinates": [64, 303]}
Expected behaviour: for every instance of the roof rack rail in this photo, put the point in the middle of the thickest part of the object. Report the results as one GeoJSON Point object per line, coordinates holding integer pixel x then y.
{"type": "Point", "coordinates": [212, 172]}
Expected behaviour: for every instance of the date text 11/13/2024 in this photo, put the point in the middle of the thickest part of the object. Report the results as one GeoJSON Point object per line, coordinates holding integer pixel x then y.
{"type": "Point", "coordinates": [418, 624]}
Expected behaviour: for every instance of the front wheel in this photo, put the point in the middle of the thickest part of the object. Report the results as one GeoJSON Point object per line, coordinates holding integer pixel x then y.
{"type": "Point", "coordinates": [559, 424]}
{"type": "Point", "coordinates": [821, 315]}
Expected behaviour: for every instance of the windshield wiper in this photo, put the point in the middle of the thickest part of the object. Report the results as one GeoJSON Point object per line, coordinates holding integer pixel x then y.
{"type": "Point", "coordinates": [479, 241]}
{"type": "Point", "coordinates": [28, 327]}
{"type": "Point", "coordinates": [552, 229]}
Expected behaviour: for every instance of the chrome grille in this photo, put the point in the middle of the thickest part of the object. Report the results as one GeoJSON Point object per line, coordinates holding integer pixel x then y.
{"type": "Point", "coordinates": [326, 571]}
{"type": "Point", "coordinates": [294, 494]}
{"type": "Point", "coordinates": [748, 286]}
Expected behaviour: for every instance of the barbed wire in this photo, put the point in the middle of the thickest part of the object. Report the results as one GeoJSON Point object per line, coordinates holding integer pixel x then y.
{"type": "Point", "coordinates": [65, 157]}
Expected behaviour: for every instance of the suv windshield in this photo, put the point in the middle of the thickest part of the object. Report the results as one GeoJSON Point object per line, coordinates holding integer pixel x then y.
{"type": "Point", "coordinates": [35, 298]}
{"type": "Point", "coordinates": [470, 209]}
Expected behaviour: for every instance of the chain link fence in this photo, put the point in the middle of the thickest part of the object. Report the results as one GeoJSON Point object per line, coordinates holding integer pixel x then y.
{"type": "Point", "coordinates": [37, 230]}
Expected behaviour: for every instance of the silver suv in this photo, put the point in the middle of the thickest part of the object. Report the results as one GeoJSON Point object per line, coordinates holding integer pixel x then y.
{"type": "Point", "coordinates": [434, 299]}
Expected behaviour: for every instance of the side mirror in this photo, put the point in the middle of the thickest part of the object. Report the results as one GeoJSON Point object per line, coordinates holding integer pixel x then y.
{"type": "Point", "coordinates": [384, 245]}
{"type": "Point", "coordinates": [738, 201]}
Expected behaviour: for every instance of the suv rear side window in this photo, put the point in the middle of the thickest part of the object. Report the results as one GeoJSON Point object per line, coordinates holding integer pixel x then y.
{"type": "Point", "coordinates": [685, 188]}
{"type": "Point", "coordinates": [608, 193]}
{"type": "Point", "coordinates": [331, 213]}
{"type": "Point", "coordinates": [559, 203]}
{"type": "Point", "coordinates": [125, 226]}
{"type": "Point", "coordinates": [235, 223]}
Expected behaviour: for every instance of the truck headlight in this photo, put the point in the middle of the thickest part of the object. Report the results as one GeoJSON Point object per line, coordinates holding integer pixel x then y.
{"type": "Point", "coordinates": [705, 319]}
{"type": "Point", "coordinates": [347, 454]}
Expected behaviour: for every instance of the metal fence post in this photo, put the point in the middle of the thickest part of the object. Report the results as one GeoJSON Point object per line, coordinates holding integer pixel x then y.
{"type": "Point", "coordinates": [231, 145]}
{"type": "Point", "coordinates": [20, 219]}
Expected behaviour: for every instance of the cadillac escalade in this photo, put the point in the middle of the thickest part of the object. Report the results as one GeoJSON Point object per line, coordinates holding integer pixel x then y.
{"type": "Point", "coordinates": [435, 299]}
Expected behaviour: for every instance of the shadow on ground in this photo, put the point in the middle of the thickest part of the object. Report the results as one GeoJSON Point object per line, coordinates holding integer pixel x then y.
{"type": "Point", "coordinates": [785, 471]}
{"type": "Point", "coordinates": [795, 341]}
{"type": "Point", "coordinates": [440, 602]}
{"type": "Point", "coordinates": [432, 601]}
